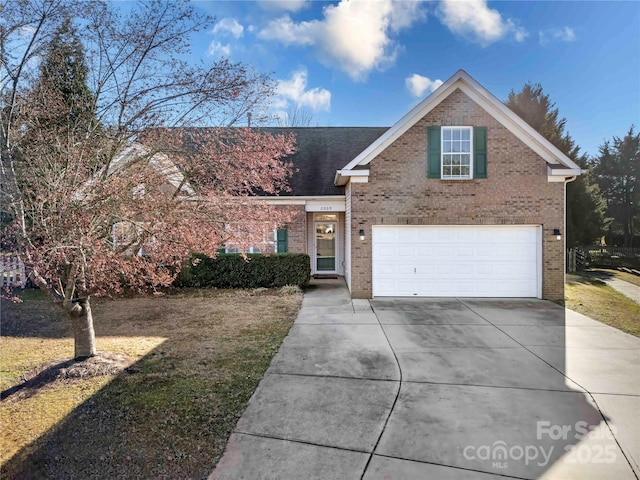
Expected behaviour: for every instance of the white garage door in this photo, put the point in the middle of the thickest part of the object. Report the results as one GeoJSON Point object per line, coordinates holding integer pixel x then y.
{"type": "Point", "coordinates": [457, 261]}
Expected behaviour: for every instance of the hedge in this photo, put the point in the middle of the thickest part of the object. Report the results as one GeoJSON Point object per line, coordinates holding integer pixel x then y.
{"type": "Point", "coordinates": [234, 271]}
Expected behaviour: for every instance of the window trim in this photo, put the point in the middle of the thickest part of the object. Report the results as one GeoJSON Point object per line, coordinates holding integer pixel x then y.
{"type": "Point", "coordinates": [442, 152]}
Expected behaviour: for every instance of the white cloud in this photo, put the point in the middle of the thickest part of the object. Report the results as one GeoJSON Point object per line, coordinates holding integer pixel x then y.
{"type": "Point", "coordinates": [229, 26]}
{"type": "Point", "coordinates": [564, 34]}
{"type": "Point", "coordinates": [26, 31]}
{"type": "Point", "coordinates": [286, 31]}
{"type": "Point", "coordinates": [405, 13]}
{"type": "Point", "coordinates": [295, 90]}
{"type": "Point", "coordinates": [288, 5]}
{"type": "Point", "coordinates": [354, 36]}
{"type": "Point", "coordinates": [218, 49]}
{"type": "Point", "coordinates": [419, 85]}
{"type": "Point", "coordinates": [475, 21]}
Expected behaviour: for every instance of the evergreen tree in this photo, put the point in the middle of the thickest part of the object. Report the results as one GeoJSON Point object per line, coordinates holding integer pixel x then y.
{"type": "Point", "coordinates": [63, 77]}
{"type": "Point", "coordinates": [586, 219]}
{"type": "Point", "coordinates": [617, 171]}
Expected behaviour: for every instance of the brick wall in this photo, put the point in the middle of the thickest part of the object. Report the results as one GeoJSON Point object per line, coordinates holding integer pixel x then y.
{"type": "Point", "coordinates": [297, 231]}
{"type": "Point", "coordinates": [516, 191]}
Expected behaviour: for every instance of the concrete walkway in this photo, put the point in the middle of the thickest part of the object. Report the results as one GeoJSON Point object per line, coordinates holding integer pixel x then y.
{"type": "Point", "coordinates": [628, 289]}
{"type": "Point", "coordinates": [441, 388]}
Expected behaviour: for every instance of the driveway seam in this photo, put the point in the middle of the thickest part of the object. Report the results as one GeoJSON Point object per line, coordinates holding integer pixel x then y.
{"type": "Point", "coordinates": [395, 400]}
{"type": "Point", "coordinates": [499, 475]}
{"type": "Point", "coordinates": [304, 442]}
{"type": "Point", "coordinates": [495, 386]}
{"type": "Point", "coordinates": [602, 415]}
{"type": "Point", "coordinates": [311, 375]}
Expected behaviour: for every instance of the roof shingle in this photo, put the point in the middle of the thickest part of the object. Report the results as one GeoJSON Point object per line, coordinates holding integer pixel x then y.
{"type": "Point", "coordinates": [320, 152]}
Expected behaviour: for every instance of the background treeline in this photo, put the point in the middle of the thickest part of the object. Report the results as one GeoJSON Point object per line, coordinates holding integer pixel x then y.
{"type": "Point", "coordinates": [603, 203]}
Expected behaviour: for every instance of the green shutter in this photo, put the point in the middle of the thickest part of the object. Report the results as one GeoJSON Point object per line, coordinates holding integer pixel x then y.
{"type": "Point", "coordinates": [221, 250]}
{"type": "Point", "coordinates": [479, 152]}
{"type": "Point", "coordinates": [433, 146]}
{"type": "Point", "coordinates": [282, 240]}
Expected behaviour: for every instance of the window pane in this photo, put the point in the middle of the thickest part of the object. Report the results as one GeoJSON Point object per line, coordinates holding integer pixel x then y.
{"type": "Point", "coordinates": [456, 134]}
{"type": "Point", "coordinates": [466, 134]}
{"type": "Point", "coordinates": [466, 146]}
{"type": "Point", "coordinates": [455, 160]}
{"type": "Point", "coordinates": [446, 134]}
{"type": "Point", "coordinates": [465, 171]}
{"type": "Point", "coordinates": [446, 171]}
{"type": "Point", "coordinates": [466, 159]}
{"type": "Point", "coordinates": [446, 147]}
{"type": "Point", "coordinates": [326, 216]}
{"type": "Point", "coordinates": [456, 147]}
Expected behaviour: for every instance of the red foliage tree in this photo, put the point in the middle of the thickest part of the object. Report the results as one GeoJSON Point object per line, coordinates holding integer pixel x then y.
{"type": "Point", "coordinates": [84, 195]}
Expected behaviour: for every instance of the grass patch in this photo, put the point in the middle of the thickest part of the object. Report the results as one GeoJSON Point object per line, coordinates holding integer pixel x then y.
{"type": "Point", "coordinates": [597, 300]}
{"type": "Point", "coordinates": [200, 355]}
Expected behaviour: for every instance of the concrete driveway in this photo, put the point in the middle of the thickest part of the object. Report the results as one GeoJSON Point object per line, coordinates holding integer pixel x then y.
{"type": "Point", "coordinates": [444, 389]}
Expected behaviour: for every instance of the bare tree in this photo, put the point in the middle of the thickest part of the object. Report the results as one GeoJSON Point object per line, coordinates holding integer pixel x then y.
{"type": "Point", "coordinates": [122, 196]}
{"type": "Point", "coordinates": [295, 116]}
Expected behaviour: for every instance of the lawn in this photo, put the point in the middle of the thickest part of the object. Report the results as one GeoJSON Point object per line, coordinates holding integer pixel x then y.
{"type": "Point", "coordinates": [627, 277]}
{"type": "Point", "coordinates": [595, 299]}
{"type": "Point", "coordinates": [195, 359]}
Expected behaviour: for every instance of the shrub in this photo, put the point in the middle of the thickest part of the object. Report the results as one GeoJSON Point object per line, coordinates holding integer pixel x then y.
{"type": "Point", "coordinates": [256, 271]}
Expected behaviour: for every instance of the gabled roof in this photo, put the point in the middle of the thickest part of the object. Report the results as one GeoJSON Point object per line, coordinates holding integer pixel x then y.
{"type": "Point", "coordinates": [159, 161]}
{"type": "Point", "coordinates": [463, 81]}
{"type": "Point", "coordinates": [320, 152]}
{"type": "Point", "coordinates": [136, 153]}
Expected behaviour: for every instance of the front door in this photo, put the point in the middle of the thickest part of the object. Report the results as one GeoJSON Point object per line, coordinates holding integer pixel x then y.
{"type": "Point", "coordinates": [326, 246]}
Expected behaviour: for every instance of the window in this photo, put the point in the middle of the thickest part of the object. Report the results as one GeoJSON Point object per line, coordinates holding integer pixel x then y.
{"type": "Point", "coordinates": [326, 217]}
{"type": "Point", "coordinates": [456, 153]}
{"type": "Point", "coordinates": [268, 243]}
{"type": "Point", "coordinates": [457, 156]}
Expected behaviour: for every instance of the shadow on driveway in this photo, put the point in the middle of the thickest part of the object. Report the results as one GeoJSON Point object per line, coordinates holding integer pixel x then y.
{"type": "Point", "coordinates": [441, 388]}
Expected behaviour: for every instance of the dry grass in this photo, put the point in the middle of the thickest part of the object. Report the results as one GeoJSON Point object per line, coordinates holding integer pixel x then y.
{"type": "Point", "coordinates": [627, 277]}
{"type": "Point", "coordinates": [200, 356]}
{"type": "Point", "coordinates": [597, 300]}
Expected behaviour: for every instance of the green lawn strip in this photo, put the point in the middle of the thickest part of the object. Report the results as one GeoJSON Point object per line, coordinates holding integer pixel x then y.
{"type": "Point", "coordinates": [597, 300]}
{"type": "Point", "coordinates": [172, 415]}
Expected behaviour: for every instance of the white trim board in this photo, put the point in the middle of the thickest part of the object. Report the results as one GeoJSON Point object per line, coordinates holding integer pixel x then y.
{"type": "Point", "coordinates": [463, 81]}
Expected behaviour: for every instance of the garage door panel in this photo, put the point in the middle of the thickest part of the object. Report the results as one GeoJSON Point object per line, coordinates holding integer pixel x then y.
{"type": "Point", "coordinates": [384, 236]}
{"type": "Point", "coordinates": [464, 269]}
{"type": "Point", "coordinates": [443, 251]}
{"type": "Point", "coordinates": [456, 261]}
{"type": "Point", "coordinates": [464, 251]}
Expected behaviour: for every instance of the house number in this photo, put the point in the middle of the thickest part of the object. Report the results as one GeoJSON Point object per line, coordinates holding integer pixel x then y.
{"type": "Point", "coordinates": [326, 209]}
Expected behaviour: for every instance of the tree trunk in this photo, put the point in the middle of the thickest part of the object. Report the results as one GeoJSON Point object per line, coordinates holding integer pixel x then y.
{"type": "Point", "coordinates": [83, 334]}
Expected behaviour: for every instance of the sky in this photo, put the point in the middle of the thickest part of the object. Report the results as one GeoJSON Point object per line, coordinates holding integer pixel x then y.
{"type": "Point", "coordinates": [367, 63]}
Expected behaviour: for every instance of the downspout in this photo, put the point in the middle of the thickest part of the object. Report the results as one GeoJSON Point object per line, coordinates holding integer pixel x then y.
{"type": "Point", "coordinates": [564, 246]}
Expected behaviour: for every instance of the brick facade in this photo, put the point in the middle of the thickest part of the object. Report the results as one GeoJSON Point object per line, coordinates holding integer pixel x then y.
{"type": "Point", "coordinates": [297, 231]}
{"type": "Point", "coordinates": [515, 192]}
